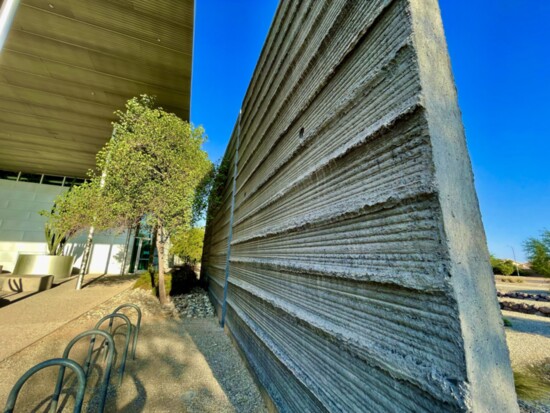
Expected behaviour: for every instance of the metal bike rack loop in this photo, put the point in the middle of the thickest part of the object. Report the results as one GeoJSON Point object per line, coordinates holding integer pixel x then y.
{"type": "Point", "coordinates": [126, 345]}
{"type": "Point", "coordinates": [64, 363]}
{"type": "Point", "coordinates": [135, 327]}
{"type": "Point", "coordinates": [106, 376]}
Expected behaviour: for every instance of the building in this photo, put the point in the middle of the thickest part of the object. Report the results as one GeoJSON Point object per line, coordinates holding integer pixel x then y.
{"type": "Point", "coordinates": [65, 67]}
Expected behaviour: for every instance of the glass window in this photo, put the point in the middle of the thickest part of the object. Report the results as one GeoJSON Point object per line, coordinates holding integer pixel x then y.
{"type": "Point", "coordinates": [34, 178]}
{"type": "Point", "coordinates": [11, 176]}
{"type": "Point", "coordinates": [52, 180]}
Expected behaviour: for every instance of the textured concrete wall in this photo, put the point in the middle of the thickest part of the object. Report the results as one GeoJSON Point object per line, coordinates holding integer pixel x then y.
{"type": "Point", "coordinates": [347, 257]}
{"type": "Point", "coordinates": [22, 229]}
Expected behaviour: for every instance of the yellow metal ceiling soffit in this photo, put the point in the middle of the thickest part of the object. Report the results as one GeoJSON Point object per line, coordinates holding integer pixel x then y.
{"type": "Point", "coordinates": [66, 66]}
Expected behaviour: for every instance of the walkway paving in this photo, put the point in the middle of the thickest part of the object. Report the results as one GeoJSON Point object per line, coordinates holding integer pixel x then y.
{"type": "Point", "coordinates": [182, 365]}
{"type": "Point", "coordinates": [26, 321]}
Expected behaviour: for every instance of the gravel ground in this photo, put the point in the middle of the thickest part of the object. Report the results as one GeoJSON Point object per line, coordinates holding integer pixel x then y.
{"type": "Point", "coordinates": [226, 364]}
{"type": "Point", "coordinates": [529, 337]}
{"type": "Point", "coordinates": [198, 319]}
{"type": "Point", "coordinates": [529, 344]}
{"type": "Point", "coordinates": [183, 364]}
{"type": "Point", "coordinates": [148, 304]}
{"type": "Point", "coordinates": [527, 349]}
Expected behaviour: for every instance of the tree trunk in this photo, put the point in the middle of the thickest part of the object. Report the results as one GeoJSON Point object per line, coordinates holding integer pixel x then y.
{"type": "Point", "coordinates": [150, 267]}
{"type": "Point", "coordinates": [161, 242]}
{"type": "Point", "coordinates": [126, 247]}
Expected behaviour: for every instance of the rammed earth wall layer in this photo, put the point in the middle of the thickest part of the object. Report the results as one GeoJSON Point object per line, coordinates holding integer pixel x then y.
{"type": "Point", "coordinates": [347, 256]}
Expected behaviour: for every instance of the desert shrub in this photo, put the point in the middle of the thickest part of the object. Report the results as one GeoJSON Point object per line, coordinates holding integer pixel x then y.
{"type": "Point", "coordinates": [511, 279]}
{"type": "Point", "coordinates": [144, 283]}
{"type": "Point", "coordinates": [502, 267]}
{"type": "Point", "coordinates": [526, 272]}
{"type": "Point", "coordinates": [180, 281]}
{"type": "Point", "coordinates": [533, 383]}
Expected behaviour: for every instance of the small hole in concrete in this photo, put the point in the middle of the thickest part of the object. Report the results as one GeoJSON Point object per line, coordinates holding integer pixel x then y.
{"type": "Point", "coordinates": [301, 133]}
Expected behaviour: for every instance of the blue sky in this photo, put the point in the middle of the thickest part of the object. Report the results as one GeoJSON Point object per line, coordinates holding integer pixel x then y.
{"type": "Point", "coordinates": [500, 56]}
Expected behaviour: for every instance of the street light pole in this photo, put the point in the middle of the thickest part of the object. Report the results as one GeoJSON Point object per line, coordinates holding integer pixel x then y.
{"type": "Point", "coordinates": [515, 262]}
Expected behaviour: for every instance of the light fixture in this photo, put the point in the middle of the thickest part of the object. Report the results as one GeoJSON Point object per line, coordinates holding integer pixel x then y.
{"type": "Point", "coordinates": [7, 11]}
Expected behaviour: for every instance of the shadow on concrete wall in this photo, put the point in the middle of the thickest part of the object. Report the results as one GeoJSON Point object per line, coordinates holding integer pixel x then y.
{"type": "Point", "coordinates": [108, 260]}
{"type": "Point", "coordinates": [76, 250]}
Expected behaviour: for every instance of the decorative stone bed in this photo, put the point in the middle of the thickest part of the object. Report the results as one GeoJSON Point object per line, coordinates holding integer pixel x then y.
{"type": "Point", "coordinates": [525, 308]}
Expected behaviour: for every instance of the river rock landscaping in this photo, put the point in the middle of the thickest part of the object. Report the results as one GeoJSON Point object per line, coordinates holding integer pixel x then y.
{"type": "Point", "coordinates": [196, 304]}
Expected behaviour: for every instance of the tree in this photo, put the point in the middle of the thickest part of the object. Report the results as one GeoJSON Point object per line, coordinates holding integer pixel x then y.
{"type": "Point", "coordinates": [214, 187]}
{"type": "Point", "coordinates": [73, 212]}
{"type": "Point", "coordinates": [152, 168]}
{"type": "Point", "coordinates": [538, 253]}
{"type": "Point", "coordinates": [187, 244]}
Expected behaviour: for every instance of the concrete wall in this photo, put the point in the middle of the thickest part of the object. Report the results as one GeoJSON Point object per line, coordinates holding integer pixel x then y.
{"type": "Point", "coordinates": [22, 228]}
{"type": "Point", "coordinates": [352, 269]}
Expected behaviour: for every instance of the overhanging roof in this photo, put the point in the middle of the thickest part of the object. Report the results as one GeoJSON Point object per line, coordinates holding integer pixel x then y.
{"type": "Point", "coordinates": [67, 65]}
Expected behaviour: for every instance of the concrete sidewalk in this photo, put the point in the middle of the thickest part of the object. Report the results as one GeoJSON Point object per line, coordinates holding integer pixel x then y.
{"type": "Point", "coordinates": [182, 365]}
{"type": "Point", "coordinates": [24, 322]}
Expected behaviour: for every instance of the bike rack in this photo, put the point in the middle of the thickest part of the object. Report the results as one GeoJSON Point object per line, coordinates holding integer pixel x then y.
{"type": "Point", "coordinates": [79, 398]}
{"type": "Point", "coordinates": [82, 372]}
{"type": "Point", "coordinates": [128, 334]}
{"type": "Point", "coordinates": [135, 327]}
{"type": "Point", "coordinates": [110, 357]}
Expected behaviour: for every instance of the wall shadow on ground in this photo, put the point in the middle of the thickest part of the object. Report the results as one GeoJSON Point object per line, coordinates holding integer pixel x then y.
{"type": "Point", "coordinates": [226, 364]}
{"type": "Point", "coordinates": [530, 326]}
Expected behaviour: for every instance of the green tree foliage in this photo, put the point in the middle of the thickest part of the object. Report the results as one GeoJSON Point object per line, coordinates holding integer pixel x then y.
{"type": "Point", "coordinates": [502, 267]}
{"type": "Point", "coordinates": [152, 168]}
{"type": "Point", "coordinates": [538, 253]}
{"type": "Point", "coordinates": [217, 183]}
{"type": "Point", "coordinates": [74, 212]}
{"type": "Point", "coordinates": [187, 244]}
